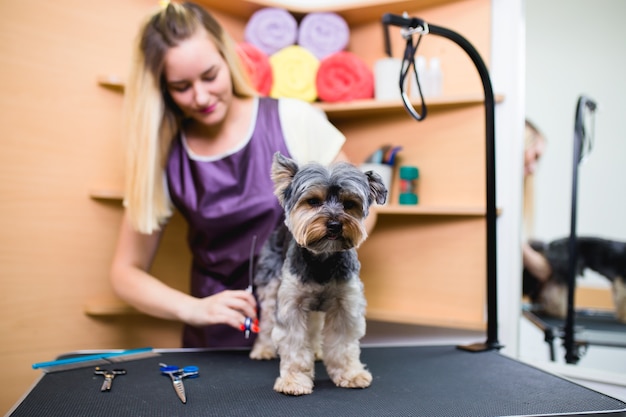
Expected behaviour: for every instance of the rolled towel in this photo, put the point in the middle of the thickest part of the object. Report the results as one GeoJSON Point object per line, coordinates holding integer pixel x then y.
{"type": "Point", "coordinates": [270, 29]}
{"type": "Point", "coordinates": [323, 33]}
{"type": "Point", "coordinates": [257, 64]}
{"type": "Point", "coordinates": [343, 76]}
{"type": "Point", "coordinates": [294, 69]}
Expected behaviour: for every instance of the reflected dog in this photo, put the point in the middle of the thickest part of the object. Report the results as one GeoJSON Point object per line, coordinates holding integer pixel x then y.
{"type": "Point", "coordinates": [310, 294]}
{"type": "Point", "coordinates": [606, 257]}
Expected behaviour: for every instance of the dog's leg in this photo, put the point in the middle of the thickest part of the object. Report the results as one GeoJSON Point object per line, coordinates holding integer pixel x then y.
{"type": "Point", "coordinates": [619, 297]}
{"type": "Point", "coordinates": [263, 346]}
{"type": "Point", "coordinates": [553, 299]}
{"type": "Point", "coordinates": [343, 328]}
{"type": "Point", "coordinates": [316, 324]}
{"type": "Point", "coordinates": [291, 337]}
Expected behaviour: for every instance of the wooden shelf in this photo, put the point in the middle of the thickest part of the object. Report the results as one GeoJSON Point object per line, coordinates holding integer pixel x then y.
{"type": "Point", "coordinates": [107, 194]}
{"type": "Point", "coordinates": [108, 306]}
{"type": "Point", "coordinates": [392, 209]}
{"type": "Point", "coordinates": [113, 194]}
{"type": "Point", "coordinates": [112, 82]}
{"type": "Point", "coordinates": [418, 210]}
{"type": "Point", "coordinates": [387, 315]}
{"type": "Point", "coordinates": [356, 108]}
{"type": "Point", "coordinates": [355, 14]}
{"type": "Point", "coordinates": [369, 108]}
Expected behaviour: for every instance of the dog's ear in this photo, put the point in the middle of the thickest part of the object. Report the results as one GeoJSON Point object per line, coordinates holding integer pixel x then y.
{"type": "Point", "coordinates": [283, 171]}
{"type": "Point", "coordinates": [378, 191]}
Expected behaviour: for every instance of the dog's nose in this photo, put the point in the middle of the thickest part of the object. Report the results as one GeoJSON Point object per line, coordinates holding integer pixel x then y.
{"type": "Point", "coordinates": [334, 227]}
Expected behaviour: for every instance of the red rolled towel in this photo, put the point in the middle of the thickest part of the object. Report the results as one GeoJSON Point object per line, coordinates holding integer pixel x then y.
{"type": "Point", "coordinates": [343, 76]}
{"type": "Point", "coordinates": [257, 64]}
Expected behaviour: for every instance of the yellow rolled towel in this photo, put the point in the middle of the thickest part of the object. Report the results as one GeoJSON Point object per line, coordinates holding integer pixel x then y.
{"type": "Point", "coordinates": [295, 71]}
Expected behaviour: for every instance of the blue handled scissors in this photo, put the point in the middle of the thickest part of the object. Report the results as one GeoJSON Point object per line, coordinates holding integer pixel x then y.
{"type": "Point", "coordinates": [177, 374]}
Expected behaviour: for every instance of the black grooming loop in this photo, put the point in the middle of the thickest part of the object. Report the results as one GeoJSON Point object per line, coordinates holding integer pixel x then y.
{"type": "Point", "coordinates": [583, 143]}
{"type": "Point", "coordinates": [411, 26]}
{"type": "Point", "coordinates": [408, 61]}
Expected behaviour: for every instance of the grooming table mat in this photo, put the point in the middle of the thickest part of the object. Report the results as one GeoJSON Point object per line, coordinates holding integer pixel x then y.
{"type": "Point", "coordinates": [590, 326]}
{"type": "Point", "coordinates": [408, 381]}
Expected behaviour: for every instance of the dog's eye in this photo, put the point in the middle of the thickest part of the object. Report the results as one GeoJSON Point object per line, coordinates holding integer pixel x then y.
{"type": "Point", "coordinates": [314, 202]}
{"type": "Point", "coordinates": [349, 204]}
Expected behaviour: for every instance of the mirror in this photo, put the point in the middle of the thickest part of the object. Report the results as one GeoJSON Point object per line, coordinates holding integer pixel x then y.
{"type": "Point", "coordinates": [576, 48]}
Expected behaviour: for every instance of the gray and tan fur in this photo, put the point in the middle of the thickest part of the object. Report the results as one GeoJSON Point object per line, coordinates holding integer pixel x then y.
{"type": "Point", "coordinates": [310, 294]}
{"type": "Point", "coordinates": [604, 256]}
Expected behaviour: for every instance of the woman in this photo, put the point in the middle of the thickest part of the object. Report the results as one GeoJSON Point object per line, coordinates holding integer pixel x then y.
{"type": "Point", "coordinates": [534, 147]}
{"type": "Point", "coordinates": [200, 140]}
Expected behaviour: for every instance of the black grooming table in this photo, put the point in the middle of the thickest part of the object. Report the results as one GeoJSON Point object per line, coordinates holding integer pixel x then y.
{"type": "Point", "coordinates": [408, 381]}
{"type": "Point", "coordinates": [592, 327]}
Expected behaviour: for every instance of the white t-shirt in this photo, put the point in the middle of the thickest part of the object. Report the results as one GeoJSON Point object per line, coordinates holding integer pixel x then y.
{"type": "Point", "coordinates": [308, 133]}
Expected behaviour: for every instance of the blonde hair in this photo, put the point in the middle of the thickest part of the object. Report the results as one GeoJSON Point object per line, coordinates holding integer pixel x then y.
{"type": "Point", "coordinates": [532, 137]}
{"type": "Point", "coordinates": [151, 119]}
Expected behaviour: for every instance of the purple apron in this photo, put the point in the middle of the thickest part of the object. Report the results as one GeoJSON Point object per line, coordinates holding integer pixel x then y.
{"type": "Point", "coordinates": [226, 202]}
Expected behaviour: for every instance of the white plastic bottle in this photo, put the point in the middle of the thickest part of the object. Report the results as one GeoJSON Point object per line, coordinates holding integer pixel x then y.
{"type": "Point", "coordinates": [435, 77]}
{"type": "Point", "coordinates": [386, 76]}
{"type": "Point", "coordinates": [424, 76]}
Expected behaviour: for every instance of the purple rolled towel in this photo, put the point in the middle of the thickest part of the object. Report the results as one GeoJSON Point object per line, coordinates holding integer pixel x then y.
{"type": "Point", "coordinates": [323, 33]}
{"type": "Point", "coordinates": [271, 29]}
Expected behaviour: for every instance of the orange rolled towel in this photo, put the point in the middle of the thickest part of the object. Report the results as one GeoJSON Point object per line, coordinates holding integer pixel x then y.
{"type": "Point", "coordinates": [343, 76]}
{"type": "Point", "coordinates": [294, 70]}
{"type": "Point", "coordinates": [257, 64]}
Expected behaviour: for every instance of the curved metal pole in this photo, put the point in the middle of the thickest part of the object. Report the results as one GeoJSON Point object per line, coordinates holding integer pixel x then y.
{"type": "Point", "coordinates": [492, 283]}
{"type": "Point", "coordinates": [572, 354]}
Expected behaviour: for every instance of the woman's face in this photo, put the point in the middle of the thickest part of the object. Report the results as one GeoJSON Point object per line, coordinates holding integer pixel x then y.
{"type": "Point", "coordinates": [198, 79]}
{"type": "Point", "coordinates": [532, 155]}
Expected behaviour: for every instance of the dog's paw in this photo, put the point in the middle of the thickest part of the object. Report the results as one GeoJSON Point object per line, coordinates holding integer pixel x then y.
{"type": "Point", "coordinates": [296, 384]}
{"type": "Point", "coordinates": [260, 352]}
{"type": "Point", "coordinates": [361, 379]}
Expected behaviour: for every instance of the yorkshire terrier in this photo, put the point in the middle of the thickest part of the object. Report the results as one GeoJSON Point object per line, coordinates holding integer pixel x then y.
{"type": "Point", "coordinates": [606, 257]}
{"type": "Point", "coordinates": [307, 278]}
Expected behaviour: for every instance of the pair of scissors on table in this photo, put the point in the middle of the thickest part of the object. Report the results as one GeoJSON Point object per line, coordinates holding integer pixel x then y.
{"type": "Point", "coordinates": [108, 377]}
{"type": "Point", "coordinates": [177, 374]}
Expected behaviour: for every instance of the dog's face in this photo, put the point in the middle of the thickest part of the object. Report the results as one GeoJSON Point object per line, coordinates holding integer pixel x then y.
{"type": "Point", "coordinates": [325, 208]}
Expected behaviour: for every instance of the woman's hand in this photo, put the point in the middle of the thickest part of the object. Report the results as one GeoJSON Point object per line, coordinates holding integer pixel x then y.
{"type": "Point", "coordinates": [536, 263]}
{"type": "Point", "coordinates": [229, 307]}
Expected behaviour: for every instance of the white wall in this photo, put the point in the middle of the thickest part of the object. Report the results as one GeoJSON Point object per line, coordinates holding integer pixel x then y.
{"type": "Point", "coordinates": [507, 77]}
{"type": "Point", "coordinates": [578, 47]}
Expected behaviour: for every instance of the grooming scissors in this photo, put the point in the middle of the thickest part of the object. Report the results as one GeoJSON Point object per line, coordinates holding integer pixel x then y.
{"type": "Point", "coordinates": [250, 325]}
{"type": "Point", "coordinates": [108, 377]}
{"type": "Point", "coordinates": [177, 375]}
